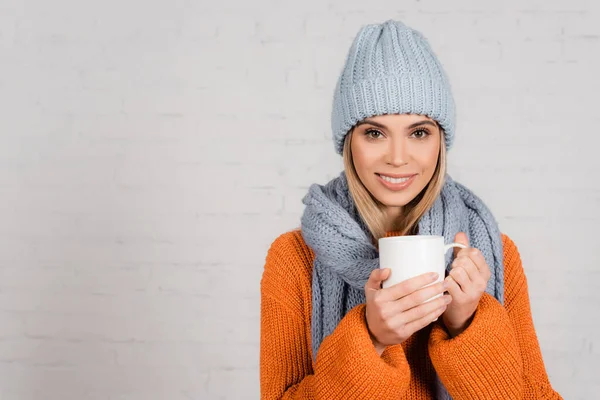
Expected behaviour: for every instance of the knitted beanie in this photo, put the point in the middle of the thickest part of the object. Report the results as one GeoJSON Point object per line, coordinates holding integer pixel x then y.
{"type": "Point", "coordinates": [391, 69]}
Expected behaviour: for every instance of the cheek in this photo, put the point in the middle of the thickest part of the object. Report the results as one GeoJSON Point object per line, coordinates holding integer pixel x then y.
{"type": "Point", "coordinates": [364, 157]}
{"type": "Point", "coordinates": [428, 159]}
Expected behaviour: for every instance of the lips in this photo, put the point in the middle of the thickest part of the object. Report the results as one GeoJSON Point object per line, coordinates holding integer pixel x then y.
{"type": "Point", "coordinates": [396, 175]}
{"type": "Point", "coordinates": [396, 182]}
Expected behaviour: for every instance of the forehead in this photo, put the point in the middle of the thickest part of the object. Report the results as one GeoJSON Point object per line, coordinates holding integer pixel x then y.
{"type": "Point", "coordinates": [398, 121]}
{"type": "Point", "coordinates": [398, 118]}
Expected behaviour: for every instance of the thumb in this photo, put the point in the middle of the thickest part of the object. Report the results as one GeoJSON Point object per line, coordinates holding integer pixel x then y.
{"type": "Point", "coordinates": [377, 276]}
{"type": "Point", "coordinates": [461, 238]}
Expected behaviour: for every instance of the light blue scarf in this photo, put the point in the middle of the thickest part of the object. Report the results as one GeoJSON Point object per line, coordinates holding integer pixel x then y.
{"type": "Point", "coordinates": [345, 255]}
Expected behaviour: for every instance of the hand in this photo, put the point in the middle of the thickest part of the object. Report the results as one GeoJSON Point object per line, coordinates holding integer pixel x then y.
{"type": "Point", "coordinates": [395, 313]}
{"type": "Point", "coordinates": [466, 283]}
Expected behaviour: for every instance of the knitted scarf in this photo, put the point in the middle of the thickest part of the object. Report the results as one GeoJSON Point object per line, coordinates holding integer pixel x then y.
{"type": "Point", "coordinates": [345, 255]}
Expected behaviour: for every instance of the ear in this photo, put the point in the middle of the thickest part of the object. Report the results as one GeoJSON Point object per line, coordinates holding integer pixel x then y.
{"type": "Point", "coordinates": [461, 238]}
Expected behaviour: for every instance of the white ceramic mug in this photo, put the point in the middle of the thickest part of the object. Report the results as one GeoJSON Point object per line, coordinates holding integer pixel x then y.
{"type": "Point", "coordinates": [413, 255]}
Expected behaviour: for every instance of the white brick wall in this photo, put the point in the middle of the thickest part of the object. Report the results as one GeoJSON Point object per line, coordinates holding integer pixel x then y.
{"type": "Point", "coordinates": [150, 151]}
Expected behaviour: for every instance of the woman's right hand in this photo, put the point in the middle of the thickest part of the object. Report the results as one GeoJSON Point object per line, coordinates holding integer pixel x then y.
{"type": "Point", "coordinates": [393, 314]}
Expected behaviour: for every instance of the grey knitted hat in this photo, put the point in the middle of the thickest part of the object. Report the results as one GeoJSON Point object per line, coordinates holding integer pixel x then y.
{"type": "Point", "coordinates": [391, 69]}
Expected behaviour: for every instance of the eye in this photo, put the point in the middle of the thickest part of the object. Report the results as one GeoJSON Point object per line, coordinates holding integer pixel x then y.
{"type": "Point", "coordinates": [420, 134]}
{"type": "Point", "coordinates": [373, 134]}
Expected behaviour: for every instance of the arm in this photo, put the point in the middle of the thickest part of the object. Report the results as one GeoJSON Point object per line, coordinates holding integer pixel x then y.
{"type": "Point", "coordinates": [498, 355]}
{"type": "Point", "coordinates": [347, 365]}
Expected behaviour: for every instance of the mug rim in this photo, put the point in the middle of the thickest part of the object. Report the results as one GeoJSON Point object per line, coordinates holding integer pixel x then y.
{"type": "Point", "coordinates": [412, 237]}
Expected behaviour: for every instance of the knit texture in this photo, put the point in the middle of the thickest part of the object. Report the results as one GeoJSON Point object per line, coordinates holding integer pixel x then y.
{"type": "Point", "coordinates": [345, 255]}
{"type": "Point", "coordinates": [496, 357]}
{"type": "Point", "coordinates": [391, 69]}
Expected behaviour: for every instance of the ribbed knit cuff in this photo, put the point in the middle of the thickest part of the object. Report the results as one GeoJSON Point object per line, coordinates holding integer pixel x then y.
{"type": "Point", "coordinates": [349, 358]}
{"type": "Point", "coordinates": [484, 361]}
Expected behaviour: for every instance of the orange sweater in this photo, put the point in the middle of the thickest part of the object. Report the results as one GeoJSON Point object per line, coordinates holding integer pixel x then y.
{"type": "Point", "coordinates": [496, 357]}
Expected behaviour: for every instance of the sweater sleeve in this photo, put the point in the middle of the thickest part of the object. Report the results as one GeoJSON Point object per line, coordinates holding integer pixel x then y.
{"type": "Point", "coordinates": [347, 365]}
{"type": "Point", "coordinates": [498, 356]}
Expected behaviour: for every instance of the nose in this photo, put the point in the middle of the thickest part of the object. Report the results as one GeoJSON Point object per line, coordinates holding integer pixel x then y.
{"type": "Point", "coordinates": [397, 153]}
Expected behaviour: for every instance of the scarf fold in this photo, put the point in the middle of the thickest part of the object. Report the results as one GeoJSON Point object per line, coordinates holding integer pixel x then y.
{"type": "Point", "coordinates": [345, 255]}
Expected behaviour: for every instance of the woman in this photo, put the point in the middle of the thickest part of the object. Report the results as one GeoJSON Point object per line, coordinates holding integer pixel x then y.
{"type": "Point", "coordinates": [328, 328]}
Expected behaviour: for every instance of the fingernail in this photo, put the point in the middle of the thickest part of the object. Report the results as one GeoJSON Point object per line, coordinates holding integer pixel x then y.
{"type": "Point", "coordinates": [447, 299]}
{"type": "Point", "coordinates": [445, 285]}
{"type": "Point", "coordinates": [433, 275]}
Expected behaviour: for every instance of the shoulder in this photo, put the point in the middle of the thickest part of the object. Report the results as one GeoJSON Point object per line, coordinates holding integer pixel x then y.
{"type": "Point", "coordinates": [512, 257]}
{"type": "Point", "coordinates": [509, 247]}
{"type": "Point", "coordinates": [515, 281]}
{"type": "Point", "coordinates": [291, 248]}
{"type": "Point", "coordinates": [288, 264]}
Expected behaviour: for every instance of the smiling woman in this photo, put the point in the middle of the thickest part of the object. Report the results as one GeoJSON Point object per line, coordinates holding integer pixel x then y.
{"type": "Point", "coordinates": [329, 330]}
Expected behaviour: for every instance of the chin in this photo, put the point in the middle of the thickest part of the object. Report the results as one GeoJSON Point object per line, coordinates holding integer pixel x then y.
{"type": "Point", "coordinates": [396, 199]}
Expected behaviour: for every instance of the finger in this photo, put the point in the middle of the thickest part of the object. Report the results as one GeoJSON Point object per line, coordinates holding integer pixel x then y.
{"type": "Point", "coordinates": [424, 309]}
{"type": "Point", "coordinates": [454, 289]}
{"type": "Point", "coordinates": [426, 320]}
{"type": "Point", "coordinates": [468, 265]}
{"type": "Point", "coordinates": [377, 276]}
{"type": "Point", "coordinates": [462, 278]}
{"type": "Point", "coordinates": [478, 279]}
{"type": "Point", "coordinates": [418, 297]}
{"type": "Point", "coordinates": [408, 286]}
{"type": "Point", "coordinates": [461, 238]}
{"type": "Point", "coordinates": [479, 260]}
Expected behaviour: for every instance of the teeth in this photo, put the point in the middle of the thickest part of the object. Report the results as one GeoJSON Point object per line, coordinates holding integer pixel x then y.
{"type": "Point", "coordinates": [394, 180]}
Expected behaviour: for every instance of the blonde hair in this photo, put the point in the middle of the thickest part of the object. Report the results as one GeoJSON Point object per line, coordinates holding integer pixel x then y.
{"type": "Point", "coordinates": [372, 211]}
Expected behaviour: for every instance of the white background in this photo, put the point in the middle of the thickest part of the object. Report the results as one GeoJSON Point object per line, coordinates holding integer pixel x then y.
{"type": "Point", "coordinates": [151, 151]}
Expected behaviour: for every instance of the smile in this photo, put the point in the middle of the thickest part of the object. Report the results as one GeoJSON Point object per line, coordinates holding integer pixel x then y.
{"type": "Point", "coordinates": [394, 180]}
{"type": "Point", "coordinates": [396, 183]}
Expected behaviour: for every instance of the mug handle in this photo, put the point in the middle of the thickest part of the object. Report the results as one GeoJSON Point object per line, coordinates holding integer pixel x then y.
{"type": "Point", "coordinates": [448, 246]}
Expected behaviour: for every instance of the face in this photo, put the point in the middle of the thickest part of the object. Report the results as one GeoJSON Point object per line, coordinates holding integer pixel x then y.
{"type": "Point", "coordinates": [395, 156]}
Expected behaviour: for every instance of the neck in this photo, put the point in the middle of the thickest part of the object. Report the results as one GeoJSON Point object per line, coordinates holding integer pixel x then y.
{"type": "Point", "coordinates": [392, 220]}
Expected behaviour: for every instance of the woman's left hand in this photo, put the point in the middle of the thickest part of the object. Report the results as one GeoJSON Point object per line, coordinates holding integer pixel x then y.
{"type": "Point", "coordinates": [466, 283]}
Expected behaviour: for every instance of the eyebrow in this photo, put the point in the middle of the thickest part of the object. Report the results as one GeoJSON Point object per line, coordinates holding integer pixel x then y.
{"type": "Point", "coordinates": [377, 124]}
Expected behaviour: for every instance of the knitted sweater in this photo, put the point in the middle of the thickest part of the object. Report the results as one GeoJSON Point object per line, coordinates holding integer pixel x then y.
{"type": "Point", "coordinates": [496, 357]}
